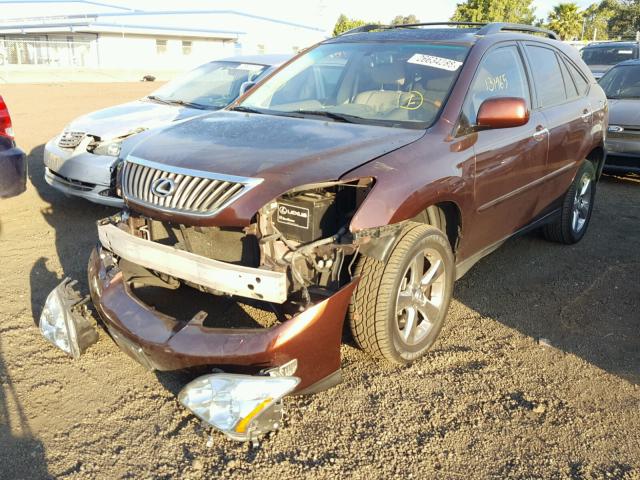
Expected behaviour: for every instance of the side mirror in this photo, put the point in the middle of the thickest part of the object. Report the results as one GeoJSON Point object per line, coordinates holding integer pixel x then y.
{"type": "Point", "coordinates": [503, 112]}
{"type": "Point", "coordinates": [245, 87]}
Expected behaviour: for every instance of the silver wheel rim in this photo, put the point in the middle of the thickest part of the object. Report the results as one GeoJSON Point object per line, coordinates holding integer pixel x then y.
{"type": "Point", "coordinates": [581, 204]}
{"type": "Point", "coordinates": [420, 297]}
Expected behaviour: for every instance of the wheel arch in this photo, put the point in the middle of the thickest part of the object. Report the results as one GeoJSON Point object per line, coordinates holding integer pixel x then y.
{"type": "Point", "coordinates": [597, 156]}
{"type": "Point", "coordinates": [445, 215]}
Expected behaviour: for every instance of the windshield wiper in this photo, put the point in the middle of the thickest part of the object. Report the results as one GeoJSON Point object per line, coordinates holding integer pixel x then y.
{"type": "Point", "coordinates": [338, 117]}
{"type": "Point", "coordinates": [241, 108]}
{"type": "Point", "coordinates": [157, 99]}
{"type": "Point", "coordinates": [182, 103]}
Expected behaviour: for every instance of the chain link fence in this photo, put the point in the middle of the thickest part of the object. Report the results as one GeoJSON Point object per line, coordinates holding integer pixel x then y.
{"type": "Point", "coordinates": [51, 53]}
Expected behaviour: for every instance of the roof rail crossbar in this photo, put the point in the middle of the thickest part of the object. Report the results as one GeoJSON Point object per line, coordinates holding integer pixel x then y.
{"type": "Point", "coordinates": [497, 27]}
{"type": "Point", "coordinates": [365, 28]}
{"type": "Point", "coordinates": [437, 24]}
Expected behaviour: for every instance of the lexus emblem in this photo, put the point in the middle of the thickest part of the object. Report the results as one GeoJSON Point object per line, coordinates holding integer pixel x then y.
{"type": "Point", "coordinates": [163, 187]}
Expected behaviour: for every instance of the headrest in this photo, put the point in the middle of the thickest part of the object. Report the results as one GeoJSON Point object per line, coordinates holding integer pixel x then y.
{"type": "Point", "coordinates": [388, 73]}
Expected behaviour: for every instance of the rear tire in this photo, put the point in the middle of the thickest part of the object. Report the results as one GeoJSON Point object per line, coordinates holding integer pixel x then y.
{"type": "Point", "coordinates": [399, 307]}
{"type": "Point", "coordinates": [571, 225]}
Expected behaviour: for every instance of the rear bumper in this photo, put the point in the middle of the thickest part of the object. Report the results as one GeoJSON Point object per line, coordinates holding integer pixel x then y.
{"type": "Point", "coordinates": [161, 342]}
{"type": "Point", "coordinates": [13, 172]}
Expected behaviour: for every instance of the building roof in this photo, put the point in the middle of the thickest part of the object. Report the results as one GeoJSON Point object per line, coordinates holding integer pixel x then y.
{"type": "Point", "coordinates": [101, 16]}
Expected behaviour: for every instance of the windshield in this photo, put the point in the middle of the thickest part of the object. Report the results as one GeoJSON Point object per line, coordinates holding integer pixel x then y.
{"type": "Point", "coordinates": [622, 82]}
{"type": "Point", "coordinates": [212, 85]}
{"type": "Point", "coordinates": [609, 55]}
{"type": "Point", "coordinates": [389, 84]}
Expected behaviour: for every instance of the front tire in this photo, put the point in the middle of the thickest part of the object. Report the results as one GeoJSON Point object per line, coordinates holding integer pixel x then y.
{"type": "Point", "coordinates": [572, 223]}
{"type": "Point", "coordinates": [399, 307]}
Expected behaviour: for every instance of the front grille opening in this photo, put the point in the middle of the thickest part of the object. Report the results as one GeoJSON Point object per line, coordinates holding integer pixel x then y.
{"type": "Point", "coordinates": [75, 184]}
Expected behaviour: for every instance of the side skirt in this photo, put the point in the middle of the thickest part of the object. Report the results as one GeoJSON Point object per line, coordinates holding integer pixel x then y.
{"type": "Point", "coordinates": [464, 266]}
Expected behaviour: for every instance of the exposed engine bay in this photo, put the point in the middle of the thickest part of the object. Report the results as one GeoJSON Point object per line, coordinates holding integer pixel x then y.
{"type": "Point", "coordinates": [303, 236]}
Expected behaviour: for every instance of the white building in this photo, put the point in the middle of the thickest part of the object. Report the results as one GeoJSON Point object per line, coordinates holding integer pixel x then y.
{"type": "Point", "coordinates": [88, 34]}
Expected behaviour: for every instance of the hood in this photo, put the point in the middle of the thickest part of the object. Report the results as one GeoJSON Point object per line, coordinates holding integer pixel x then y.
{"type": "Point", "coordinates": [117, 121]}
{"type": "Point", "coordinates": [624, 112]}
{"type": "Point", "coordinates": [289, 151]}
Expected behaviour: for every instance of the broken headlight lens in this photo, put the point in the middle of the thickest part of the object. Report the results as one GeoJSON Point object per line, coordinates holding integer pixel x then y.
{"type": "Point", "coordinates": [63, 324]}
{"type": "Point", "coordinates": [241, 406]}
{"type": "Point", "coordinates": [111, 149]}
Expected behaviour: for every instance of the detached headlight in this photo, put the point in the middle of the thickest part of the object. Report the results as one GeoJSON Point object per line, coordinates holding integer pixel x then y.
{"type": "Point", "coordinates": [241, 406]}
{"type": "Point", "coordinates": [111, 149]}
{"type": "Point", "coordinates": [63, 321]}
{"type": "Point", "coordinates": [615, 129]}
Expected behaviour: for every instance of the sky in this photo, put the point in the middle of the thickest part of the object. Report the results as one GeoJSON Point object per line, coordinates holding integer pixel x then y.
{"type": "Point", "coordinates": [320, 13]}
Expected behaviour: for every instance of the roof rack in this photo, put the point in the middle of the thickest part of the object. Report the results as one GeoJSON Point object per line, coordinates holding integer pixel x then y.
{"type": "Point", "coordinates": [498, 27]}
{"type": "Point", "coordinates": [485, 28]}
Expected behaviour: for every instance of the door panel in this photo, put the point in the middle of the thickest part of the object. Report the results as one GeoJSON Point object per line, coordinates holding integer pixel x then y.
{"type": "Point", "coordinates": [509, 161]}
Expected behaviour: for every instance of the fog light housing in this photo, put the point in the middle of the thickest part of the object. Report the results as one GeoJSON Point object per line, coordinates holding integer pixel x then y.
{"type": "Point", "coordinates": [64, 323]}
{"type": "Point", "coordinates": [241, 406]}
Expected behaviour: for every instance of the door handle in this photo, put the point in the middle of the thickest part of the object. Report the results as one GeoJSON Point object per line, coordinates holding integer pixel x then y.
{"type": "Point", "coordinates": [540, 133]}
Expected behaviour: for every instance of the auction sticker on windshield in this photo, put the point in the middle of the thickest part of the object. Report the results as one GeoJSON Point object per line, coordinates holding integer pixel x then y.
{"type": "Point", "coordinates": [435, 62]}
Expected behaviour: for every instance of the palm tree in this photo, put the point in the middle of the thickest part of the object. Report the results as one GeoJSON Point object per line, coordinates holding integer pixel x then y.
{"type": "Point", "coordinates": [566, 21]}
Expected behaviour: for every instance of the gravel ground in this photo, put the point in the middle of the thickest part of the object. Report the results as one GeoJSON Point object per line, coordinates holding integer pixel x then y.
{"type": "Point", "coordinates": [536, 373]}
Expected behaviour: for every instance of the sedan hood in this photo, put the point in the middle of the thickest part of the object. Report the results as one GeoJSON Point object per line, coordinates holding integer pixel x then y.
{"type": "Point", "coordinates": [122, 119]}
{"type": "Point", "coordinates": [290, 151]}
{"type": "Point", "coordinates": [624, 112]}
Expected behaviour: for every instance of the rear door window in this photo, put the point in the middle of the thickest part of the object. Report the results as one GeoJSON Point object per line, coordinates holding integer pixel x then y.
{"type": "Point", "coordinates": [547, 76]}
{"type": "Point", "coordinates": [500, 74]}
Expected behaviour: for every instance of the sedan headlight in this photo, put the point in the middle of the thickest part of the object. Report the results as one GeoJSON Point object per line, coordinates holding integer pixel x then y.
{"type": "Point", "coordinates": [615, 129]}
{"type": "Point", "coordinates": [111, 149]}
{"type": "Point", "coordinates": [241, 406]}
{"type": "Point", "coordinates": [63, 321]}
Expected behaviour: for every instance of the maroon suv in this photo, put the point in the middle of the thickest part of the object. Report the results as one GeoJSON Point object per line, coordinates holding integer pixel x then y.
{"type": "Point", "coordinates": [358, 181]}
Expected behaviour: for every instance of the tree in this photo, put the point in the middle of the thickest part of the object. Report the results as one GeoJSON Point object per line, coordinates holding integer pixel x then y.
{"type": "Point", "coordinates": [513, 11]}
{"type": "Point", "coordinates": [625, 20]}
{"type": "Point", "coordinates": [400, 20]}
{"type": "Point", "coordinates": [596, 20]}
{"type": "Point", "coordinates": [345, 23]}
{"type": "Point", "coordinates": [566, 20]}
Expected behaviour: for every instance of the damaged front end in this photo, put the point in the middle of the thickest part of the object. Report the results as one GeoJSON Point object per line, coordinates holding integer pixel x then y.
{"type": "Point", "coordinates": [292, 263]}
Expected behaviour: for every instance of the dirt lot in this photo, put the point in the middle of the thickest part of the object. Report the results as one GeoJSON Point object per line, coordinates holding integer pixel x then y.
{"type": "Point", "coordinates": [489, 401]}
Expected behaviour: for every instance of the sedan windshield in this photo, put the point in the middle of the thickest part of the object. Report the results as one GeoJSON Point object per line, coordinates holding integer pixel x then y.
{"type": "Point", "coordinates": [212, 85]}
{"type": "Point", "coordinates": [622, 82]}
{"type": "Point", "coordinates": [609, 55]}
{"type": "Point", "coordinates": [388, 84]}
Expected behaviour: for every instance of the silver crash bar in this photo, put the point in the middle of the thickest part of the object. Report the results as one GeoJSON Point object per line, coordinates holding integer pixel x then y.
{"type": "Point", "coordinates": [224, 277]}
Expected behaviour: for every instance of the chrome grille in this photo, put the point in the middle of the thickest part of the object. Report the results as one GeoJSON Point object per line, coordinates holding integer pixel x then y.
{"type": "Point", "coordinates": [193, 192]}
{"type": "Point", "coordinates": [70, 139]}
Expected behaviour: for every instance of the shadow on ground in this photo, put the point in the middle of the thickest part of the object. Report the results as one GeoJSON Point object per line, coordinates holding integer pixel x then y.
{"type": "Point", "coordinates": [21, 454]}
{"type": "Point", "coordinates": [582, 299]}
{"type": "Point", "coordinates": [73, 222]}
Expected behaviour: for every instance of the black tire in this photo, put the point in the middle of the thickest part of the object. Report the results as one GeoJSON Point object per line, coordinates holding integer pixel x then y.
{"type": "Point", "coordinates": [375, 323]}
{"type": "Point", "coordinates": [565, 228]}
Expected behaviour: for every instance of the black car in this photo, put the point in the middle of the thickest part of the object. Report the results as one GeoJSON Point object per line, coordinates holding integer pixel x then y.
{"type": "Point", "coordinates": [600, 57]}
{"type": "Point", "coordinates": [13, 162]}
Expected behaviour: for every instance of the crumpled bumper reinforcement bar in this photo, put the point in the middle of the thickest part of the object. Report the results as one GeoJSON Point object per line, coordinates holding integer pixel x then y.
{"type": "Point", "coordinates": [224, 277]}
